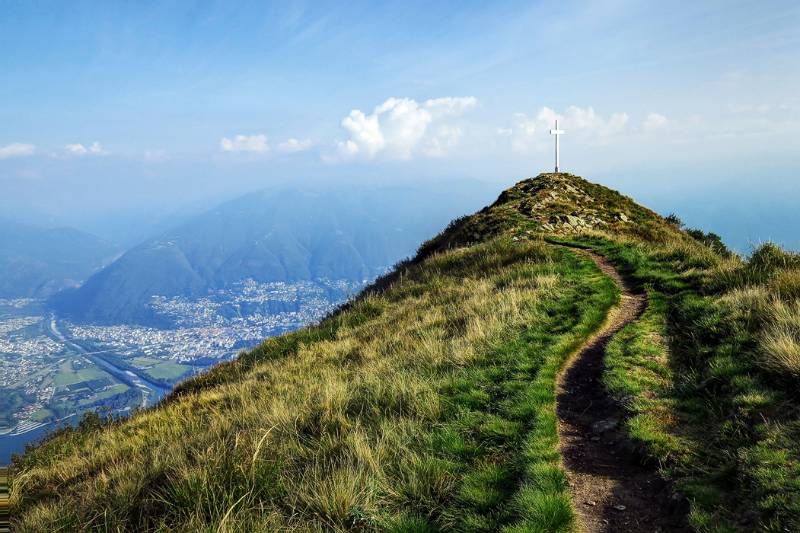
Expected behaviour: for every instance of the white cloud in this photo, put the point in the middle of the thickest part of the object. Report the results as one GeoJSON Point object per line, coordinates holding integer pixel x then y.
{"type": "Point", "coordinates": [97, 149]}
{"type": "Point", "coordinates": [547, 117]}
{"type": "Point", "coordinates": [245, 143]}
{"type": "Point", "coordinates": [365, 133]}
{"type": "Point", "coordinates": [451, 105]}
{"type": "Point", "coordinates": [293, 145]}
{"type": "Point", "coordinates": [586, 119]}
{"type": "Point", "coordinates": [654, 121]}
{"type": "Point", "coordinates": [445, 138]}
{"type": "Point", "coordinates": [16, 150]}
{"type": "Point", "coordinates": [402, 127]}
{"type": "Point", "coordinates": [531, 132]}
{"type": "Point", "coordinates": [78, 149]}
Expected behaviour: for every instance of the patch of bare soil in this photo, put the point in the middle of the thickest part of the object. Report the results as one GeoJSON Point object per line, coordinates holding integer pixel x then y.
{"type": "Point", "coordinates": [613, 487]}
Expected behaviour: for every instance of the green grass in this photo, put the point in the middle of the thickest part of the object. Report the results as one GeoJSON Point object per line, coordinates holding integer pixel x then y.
{"type": "Point", "coordinates": [639, 375]}
{"type": "Point", "coordinates": [41, 415]}
{"type": "Point", "coordinates": [144, 362]}
{"type": "Point", "coordinates": [708, 378]}
{"type": "Point", "coordinates": [65, 378]}
{"type": "Point", "coordinates": [110, 392]}
{"type": "Point", "coordinates": [168, 371]}
{"type": "Point", "coordinates": [503, 426]}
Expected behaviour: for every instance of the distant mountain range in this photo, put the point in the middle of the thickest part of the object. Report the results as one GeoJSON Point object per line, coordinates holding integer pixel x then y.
{"type": "Point", "coordinates": [37, 262]}
{"type": "Point", "coordinates": [286, 235]}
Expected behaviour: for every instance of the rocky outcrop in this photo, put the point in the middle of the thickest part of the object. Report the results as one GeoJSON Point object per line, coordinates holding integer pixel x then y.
{"type": "Point", "coordinates": [559, 204]}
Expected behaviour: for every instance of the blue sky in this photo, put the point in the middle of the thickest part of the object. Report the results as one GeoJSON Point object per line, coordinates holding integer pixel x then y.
{"type": "Point", "coordinates": [110, 107]}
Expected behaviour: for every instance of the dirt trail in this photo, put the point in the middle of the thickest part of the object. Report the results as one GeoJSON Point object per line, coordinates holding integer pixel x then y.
{"type": "Point", "coordinates": [612, 488]}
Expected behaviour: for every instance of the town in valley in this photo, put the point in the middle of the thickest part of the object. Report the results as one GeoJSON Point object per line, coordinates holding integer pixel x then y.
{"type": "Point", "coordinates": [53, 371]}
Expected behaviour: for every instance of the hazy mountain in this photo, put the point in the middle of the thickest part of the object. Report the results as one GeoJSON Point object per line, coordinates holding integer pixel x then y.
{"type": "Point", "coordinates": [36, 262]}
{"type": "Point", "coordinates": [286, 235]}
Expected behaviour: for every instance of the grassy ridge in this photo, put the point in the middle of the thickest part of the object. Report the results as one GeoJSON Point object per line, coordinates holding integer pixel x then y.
{"type": "Point", "coordinates": [428, 403]}
{"type": "Point", "coordinates": [710, 376]}
{"type": "Point", "coordinates": [427, 407]}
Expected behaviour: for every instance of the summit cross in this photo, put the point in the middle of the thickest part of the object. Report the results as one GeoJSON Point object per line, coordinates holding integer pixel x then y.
{"type": "Point", "coordinates": [557, 132]}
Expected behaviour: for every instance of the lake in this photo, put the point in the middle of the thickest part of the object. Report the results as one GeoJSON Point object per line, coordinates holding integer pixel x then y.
{"type": "Point", "coordinates": [11, 444]}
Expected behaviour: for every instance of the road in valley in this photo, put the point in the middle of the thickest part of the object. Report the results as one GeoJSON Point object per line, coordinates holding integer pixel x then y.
{"type": "Point", "coordinates": [151, 392]}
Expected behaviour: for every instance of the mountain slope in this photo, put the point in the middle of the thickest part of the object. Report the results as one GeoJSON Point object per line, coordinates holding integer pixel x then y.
{"type": "Point", "coordinates": [429, 403]}
{"type": "Point", "coordinates": [287, 235]}
{"type": "Point", "coordinates": [37, 262]}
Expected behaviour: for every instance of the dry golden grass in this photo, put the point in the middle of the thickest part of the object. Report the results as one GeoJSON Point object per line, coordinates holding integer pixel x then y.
{"type": "Point", "coordinates": [786, 284]}
{"type": "Point", "coordinates": [774, 316]}
{"type": "Point", "coordinates": [779, 342]}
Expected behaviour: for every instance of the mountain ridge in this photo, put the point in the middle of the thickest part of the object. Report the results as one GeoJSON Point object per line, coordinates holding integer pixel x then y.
{"type": "Point", "coordinates": [37, 262]}
{"type": "Point", "coordinates": [429, 402]}
{"type": "Point", "coordinates": [286, 235]}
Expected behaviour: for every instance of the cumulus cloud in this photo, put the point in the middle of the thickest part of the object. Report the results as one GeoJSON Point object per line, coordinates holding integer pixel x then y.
{"type": "Point", "coordinates": [450, 105]}
{"type": "Point", "coordinates": [293, 145]}
{"type": "Point", "coordinates": [402, 127]}
{"type": "Point", "coordinates": [258, 143]}
{"type": "Point", "coordinates": [530, 131]}
{"type": "Point", "coordinates": [245, 143]}
{"type": "Point", "coordinates": [654, 121]}
{"type": "Point", "coordinates": [445, 138]}
{"type": "Point", "coordinates": [78, 149]}
{"type": "Point", "coordinates": [586, 119]}
{"type": "Point", "coordinates": [16, 150]}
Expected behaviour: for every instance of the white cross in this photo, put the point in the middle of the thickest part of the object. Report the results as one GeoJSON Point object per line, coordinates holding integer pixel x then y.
{"type": "Point", "coordinates": [557, 132]}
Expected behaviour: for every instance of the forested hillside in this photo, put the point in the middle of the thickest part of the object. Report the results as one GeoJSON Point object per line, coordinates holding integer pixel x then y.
{"type": "Point", "coordinates": [284, 235]}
